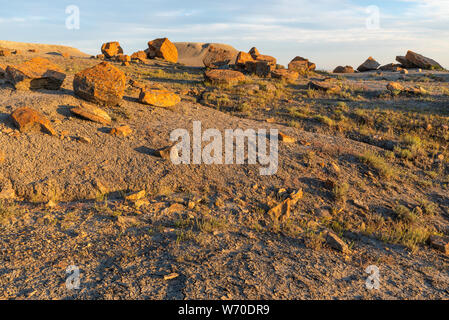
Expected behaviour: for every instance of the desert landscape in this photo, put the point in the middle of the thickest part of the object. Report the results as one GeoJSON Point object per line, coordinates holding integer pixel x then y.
{"type": "Point", "coordinates": [86, 177]}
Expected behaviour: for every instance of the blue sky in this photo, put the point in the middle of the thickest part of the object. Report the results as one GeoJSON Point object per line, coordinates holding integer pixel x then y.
{"type": "Point", "coordinates": [328, 32]}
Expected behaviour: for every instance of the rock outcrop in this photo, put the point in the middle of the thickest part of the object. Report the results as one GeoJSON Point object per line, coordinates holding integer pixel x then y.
{"type": "Point", "coordinates": [103, 84]}
{"type": "Point", "coordinates": [37, 73]}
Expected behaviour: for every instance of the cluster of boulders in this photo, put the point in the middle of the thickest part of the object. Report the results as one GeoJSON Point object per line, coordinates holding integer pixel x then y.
{"type": "Point", "coordinates": [411, 60]}
{"type": "Point", "coordinates": [253, 63]}
{"type": "Point", "coordinates": [102, 85]}
{"type": "Point", "coordinates": [161, 48]}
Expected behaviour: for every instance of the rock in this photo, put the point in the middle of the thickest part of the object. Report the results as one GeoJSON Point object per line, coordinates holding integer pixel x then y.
{"type": "Point", "coordinates": [162, 48]}
{"type": "Point", "coordinates": [100, 56]}
{"type": "Point", "coordinates": [37, 73]}
{"type": "Point", "coordinates": [171, 276]}
{"type": "Point", "coordinates": [336, 243]}
{"type": "Point", "coordinates": [219, 76]}
{"type": "Point", "coordinates": [103, 84]}
{"type": "Point", "coordinates": [111, 49]}
{"type": "Point", "coordinates": [301, 65]}
{"type": "Point", "coordinates": [2, 70]}
{"type": "Point", "coordinates": [125, 63]}
{"type": "Point", "coordinates": [422, 62]}
{"type": "Point", "coordinates": [404, 71]}
{"type": "Point", "coordinates": [440, 243]}
{"type": "Point", "coordinates": [164, 152]}
{"type": "Point", "coordinates": [84, 139]}
{"type": "Point", "coordinates": [346, 69]}
{"type": "Point", "coordinates": [121, 131]}
{"type": "Point", "coordinates": [242, 58]}
{"type": "Point", "coordinates": [285, 138]}
{"type": "Point", "coordinates": [417, 90]}
{"type": "Point", "coordinates": [391, 67]}
{"type": "Point", "coordinates": [5, 52]}
{"type": "Point", "coordinates": [271, 61]}
{"type": "Point", "coordinates": [254, 52]}
{"type": "Point", "coordinates": [259, 68]}
{"type": "Point", "coordinates": [217, 57]}
{"type": "Point", "coordinates": [405, 63]}
{"type": "Point", "coordinates": [281, 212]}
{"type": "Point", "coordinates": [285, 74]}
{"type": "Point", "coordinates": [27, 119]}
{"type": "Point", "coordinates": [92, 113]}
{"type": "Point", "coordinates": [135, 196]}
{"type": "Point", "coordinates": [139, 55]}
{"type": "Point", "coordinates": [395, 87]}
{"type": "Point", "coordinates": [369, 64]}
{"type": "Point", "coordinates": [325, 85]}
{"type": "Point", "coordinates": [122, 58]}
{"type": "Point", "coordinates": [159, 97]}
{"type": "Point", "coordinates": [32, 50]}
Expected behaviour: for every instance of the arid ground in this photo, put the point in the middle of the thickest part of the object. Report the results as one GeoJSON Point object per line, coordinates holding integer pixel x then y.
{"type": "Point", "coordinates": [373, 168]}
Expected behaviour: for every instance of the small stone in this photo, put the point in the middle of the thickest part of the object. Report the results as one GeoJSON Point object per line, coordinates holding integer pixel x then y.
{"type": "Point", "coordinates": [27, 119]}
{"type": "Point", "coordinates": [84, 139]}
{"type": "Point", "coordinates": [336, 243]}
{"type": "Point", "coordinates": [91, 112]}
{"type": "Point", "coordinates": [285, 138]}
{"type": "Point", "coordinates": [440, 243]}
{"type": "Point", "coordinates": [159, 97]}
{"type": "Point", "coordinates": [121, 131]}
{"type": "Point", "coordinates": [171, 276]}
{"type": "Point", "coordinates": [135, 196]}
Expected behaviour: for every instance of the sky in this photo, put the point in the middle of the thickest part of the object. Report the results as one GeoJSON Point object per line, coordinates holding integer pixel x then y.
{"type": "Point", "coordinates": [327, 32]}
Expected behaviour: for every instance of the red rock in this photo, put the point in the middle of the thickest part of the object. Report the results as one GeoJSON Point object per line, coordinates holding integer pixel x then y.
{"type": "Point", "coordinates": [369, 64]}
{"type": "Point", "coordinates": [405, 63]}
{"type": "Point", "coordinates": [162, 48]}
{"type": "Point", "coordinates": [223, 76]}
{"type": "Point", "coordinates": [159, 97]}
{"type": "Point", "coordinates": [121, 131]}
{"type": "Point", "coordinates": [217, 57]}
{"type": "Point", "coordinates": [285, 74]}
{"type": "Point", "coordinates": [391, 67]}
{"type": "Point", "coordinates": [254, 52]}
{"type": "Point", "coordinates": [37, 73]}
{"type": "Point", "coordinates": [139, 55]}
{"type": "Point", "coordinates": [421, 61]}
{"type": "Point", "coordinates": [111, 49]}
{"type": "Point", "coordinates": [4, 52]}
{"type": "Point", "coordinates": [103, 84]}
{"type": "Point", "coordinates": [242, 58]}
{"type": "Point", "coordinates": [27, 119]}
{"type": "Point", "coordinates": [346, 69]}
{"type": "Point", "coordinates": [301, 65]}
{"type": "Point", "coordinates": [92, 113]}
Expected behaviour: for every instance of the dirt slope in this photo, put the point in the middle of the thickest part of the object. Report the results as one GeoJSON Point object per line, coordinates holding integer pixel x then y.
{"type": "Point", "coordinates": [43, 48]}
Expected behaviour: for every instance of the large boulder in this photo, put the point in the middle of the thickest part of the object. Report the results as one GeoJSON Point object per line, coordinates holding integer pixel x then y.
{"type": "Point", "coordinates": [103, 84]}
{"type": "Point", "coordinates": [37, 73]}
{"type": "Point", "coordinates": [242, 59]}
{"type": "Point", "coordinates": [27, 119]}
{"type": "Point", "coordinates": [224, 76]}
{"type": "Point", "coordinates": [111, 49]}
{"type": "Point", "coordinates": [421, 61]}
{"type": "Point", "coordinates": [368, 65]}
{"type": "Point", "coordinates": [345, 69]}
{"type": "Point", "coordinates": [405, 63]}
{"type": "Point", "coordinates": [301, 65]}
{"type": "Point", "coordinates": [285, 74]}
{"type": "Point", "coordinates": [259, 68]}
{"type": "Point", "coordinates": [254, 52]}
{"type": "Point", "coordinates": [139, 56]}
{"type": "Point", "coordinates": [158, 97]}
{"type": "Point", "coordinates": [162, 48]}
{"type": "Point", "coordinates": [217, 57]}
{"type": "Point", "coordinates": [391, 67]}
